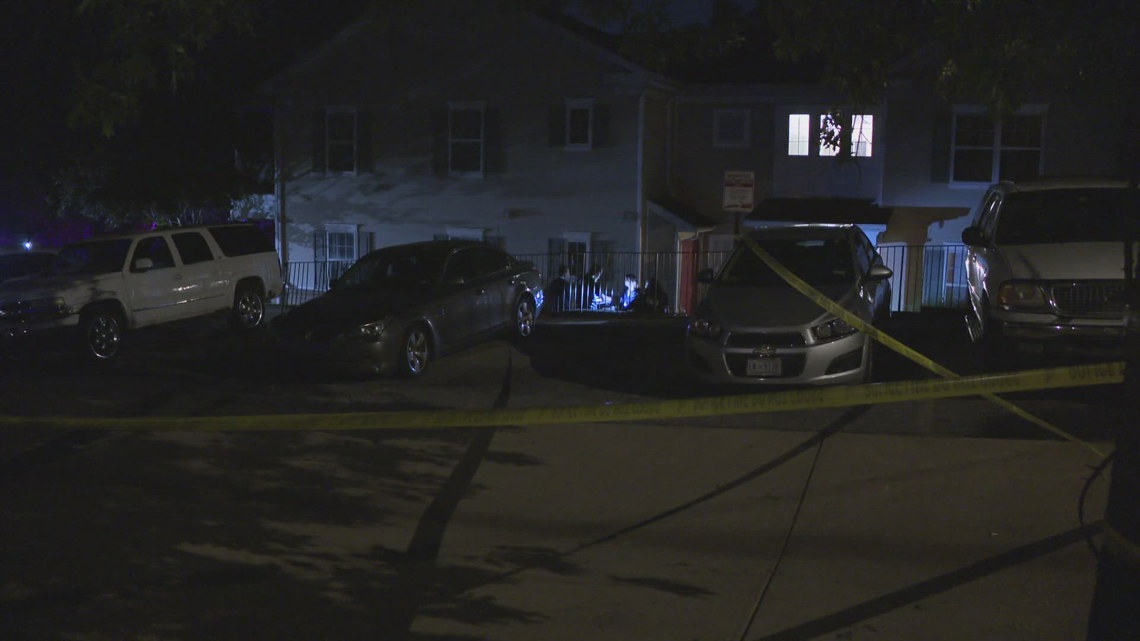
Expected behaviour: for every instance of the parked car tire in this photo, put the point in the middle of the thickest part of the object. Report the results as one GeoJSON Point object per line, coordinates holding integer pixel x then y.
{"type": "Point", "coordinates": [525, 315]}
{"type": "Point", "coordinates": [249, 308]}
{"type": "Point", "coordinates": [101, 332]}
{"type": "Point", "coordinates": [415, 352]}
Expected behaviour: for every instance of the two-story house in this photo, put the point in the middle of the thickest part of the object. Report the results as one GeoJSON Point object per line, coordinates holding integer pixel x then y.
{"type": "Point", "coordinates": [526, 132]}
{"type": "Point", "coordinates": [452, 122]}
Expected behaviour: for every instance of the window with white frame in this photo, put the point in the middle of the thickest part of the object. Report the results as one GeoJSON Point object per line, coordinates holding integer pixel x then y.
{"type": "Point", "coordinates": [465, 138]}
{"type": "Point", "coordinates": [579, 124]}
{"type": "Point", "coordinates": [987, 150]}
{"type": "Point", "coordinates": [799, 133]}
{"type": "Point", "coordinates": [831, 135]}
{"type": "Point", "coordinates": [340, 139]}
{"type": "Point", "coordinates": [731, 127]}
{"type": "Point", "coordinates": [340, 243]}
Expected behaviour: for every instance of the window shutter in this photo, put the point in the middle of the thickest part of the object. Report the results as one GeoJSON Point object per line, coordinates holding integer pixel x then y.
{"type": "Point", "coordinates": [365, 242]}
{"type": "Point", "coordinates": [320, 258]}
{"type": "Point", "coordinates": [364, 141]}
{"type": "Point", "coordinates": [319, 160]}
{"type": "Point", "coordinates": [494, 156]}
{"type": "Point", "coordinates": [557, 120]}
{"type": "Point", "coordinates": [439, 161]}
{"type": "Point", "coordinates": [601, 126]}
{"type": "Point", "coordinates": [940, 146]}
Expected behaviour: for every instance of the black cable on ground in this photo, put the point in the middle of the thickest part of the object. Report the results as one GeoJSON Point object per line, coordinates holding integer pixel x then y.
{"type": "Point", "coordinates": [1097, 471]}
{"type": "Point", "coordinates": [784, 545]}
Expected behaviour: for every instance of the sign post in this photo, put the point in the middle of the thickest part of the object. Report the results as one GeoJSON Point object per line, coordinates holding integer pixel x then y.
{"type": "Point", "coordinates": [739, 195]}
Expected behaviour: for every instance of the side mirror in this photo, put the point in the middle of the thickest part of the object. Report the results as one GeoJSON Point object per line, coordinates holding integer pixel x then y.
{"type": "Point", "coordinates": [879, 272]}
{"type": "Point", "coordinates": [973, 236]}
{"type": "Point", "coordinates": [143, 264]}
{"type": "Point", "coordinates": [705, 276]}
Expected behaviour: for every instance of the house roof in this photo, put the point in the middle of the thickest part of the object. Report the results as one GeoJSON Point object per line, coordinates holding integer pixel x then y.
{"type": "Point", "coordinates": [682, 215]}
{"type": "Point", "coordinates": [820, 210]}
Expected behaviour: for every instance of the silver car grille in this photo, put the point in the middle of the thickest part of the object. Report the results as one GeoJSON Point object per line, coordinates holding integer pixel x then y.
{"type": "Point", "coordinates": [756, 339]}
{"type": "Point", "coordinates": [1089, 298]}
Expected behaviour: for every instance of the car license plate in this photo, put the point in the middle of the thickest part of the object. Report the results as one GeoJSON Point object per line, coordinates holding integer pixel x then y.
{"type": "Point", "coordinates": [769, 366]}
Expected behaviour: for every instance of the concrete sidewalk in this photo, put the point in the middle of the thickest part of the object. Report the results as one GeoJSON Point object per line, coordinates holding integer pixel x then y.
{"type": "Point", "coordinates": [899, 538]}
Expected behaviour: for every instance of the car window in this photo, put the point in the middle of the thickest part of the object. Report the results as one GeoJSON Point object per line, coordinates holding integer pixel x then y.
{"type": "Point", "coordinates": [239, 240]}
{"type": "Point", "coordinates": [817, 261]}
{"type": "Point", "coordinates": [392, 271]}
{"type": "Point", "coordinates": [462, 265]}
{"type": "Point", "coordinates": [1065, 216]}
{"type": "Point", "coordinates": [864, 252]}
{"type": "Point", "coordinates": [192, 248]}
{"type": "Point", "coordinates": [989, 214]}
{"type": "Point", "coordinates": [156, 249]}
{"type": "Point", "coordinates": [490, 261]}
{"type": "Point", "coordinates": [93, 257]}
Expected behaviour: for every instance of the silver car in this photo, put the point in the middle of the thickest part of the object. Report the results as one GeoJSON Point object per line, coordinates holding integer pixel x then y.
{"type": "Point", "coordinates": [754, 328]}
{"type": "Point", "coordinates": [398, 308]}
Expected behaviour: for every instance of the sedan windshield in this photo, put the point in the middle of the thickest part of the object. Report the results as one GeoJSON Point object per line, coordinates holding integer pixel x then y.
{"type": "Point", "coordinates": [93, 257]}
{"type": "Point", "coordinates": [393, 270]}
{"type": "Point", "coordinates": [818, 261]}
{"type": "Point", "coordinates": [1066, 216]}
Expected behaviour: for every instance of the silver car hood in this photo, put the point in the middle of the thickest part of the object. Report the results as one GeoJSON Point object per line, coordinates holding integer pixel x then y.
{"type": "Point", "coordinates": [733, 306]}
{"type": "Point", "coordinates": [1064, 261]}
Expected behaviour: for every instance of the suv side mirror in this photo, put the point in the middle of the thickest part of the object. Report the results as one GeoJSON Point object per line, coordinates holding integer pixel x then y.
{"type": "Point", "coordinates": [973, 236]}
{"type": "Point", "coordinates": [879, 272]}
{"type": "Point", "coordinates": [142, 265]}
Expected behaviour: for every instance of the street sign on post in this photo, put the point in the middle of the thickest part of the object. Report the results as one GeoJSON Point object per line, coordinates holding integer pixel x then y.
{"type": "Point", "coordinates": [739, 191]}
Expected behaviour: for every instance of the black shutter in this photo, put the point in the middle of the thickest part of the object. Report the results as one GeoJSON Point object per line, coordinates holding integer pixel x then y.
{"type": "Point", "coordinates": [320, 258]}
{"type": "Point", "coordinates": [557, 120]}
{"type": "Point", "coordinates": [940, 146]}
{"type": "Point", "coordinates": [601, 126]}
{"type": "Point", "coordinates": [364, 242]}
{"type": "Point", "coordinates": [494, 155]}
{"type": "Point", "coordinates": [439, 159]}
{"type": "Point", "coordinates": [363, 141]}
{"type": "Point", "coordinates": [319, 160]}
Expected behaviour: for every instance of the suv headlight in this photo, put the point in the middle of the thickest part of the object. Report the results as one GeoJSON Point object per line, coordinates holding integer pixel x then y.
{"type": "Point", "coordinates": [831, 330]}
{"type": "Point", "coordinates": [368, 332]}
{"type": "Point", "coordinates": [1022, 296]}
{"type": "Point", "coordinates": [43, 308]}
{"type": "Point", "coordinates": [705, 328]}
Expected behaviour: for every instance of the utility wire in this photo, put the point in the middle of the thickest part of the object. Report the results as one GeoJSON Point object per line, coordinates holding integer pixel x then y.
{"type": "Point", "coordinates": [783, 546]}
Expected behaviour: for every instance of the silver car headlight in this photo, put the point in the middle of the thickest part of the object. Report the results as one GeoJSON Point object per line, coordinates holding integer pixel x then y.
{"type": "Point", "coordinates": [1022, 296]}
{"type": "Point", "coordinates": [831, 330]}
{"type": "Point", "coordinates": [368, 332]}
{"type": "Point", "coordinates": [705, 328]}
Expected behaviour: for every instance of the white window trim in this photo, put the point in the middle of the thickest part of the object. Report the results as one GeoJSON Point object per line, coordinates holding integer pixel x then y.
{"type": "Point", "coordinates": [573, 104]}
{"type": "Point", "coordinates": [745, 135]}
{"type": "Point", "coordinates": [475, 105]}
{"type": "Point", "coordinates": [804, 144]}
{"type": "Point", "coordinates": [342, 228]}
{"type": "Point", "coordinates": [995, 167]}
{"type": "Point", "coordinates": [330, 111]}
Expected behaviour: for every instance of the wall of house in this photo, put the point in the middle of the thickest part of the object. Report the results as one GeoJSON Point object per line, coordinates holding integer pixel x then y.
{"type": "Point", "coordinates": [403, 77]}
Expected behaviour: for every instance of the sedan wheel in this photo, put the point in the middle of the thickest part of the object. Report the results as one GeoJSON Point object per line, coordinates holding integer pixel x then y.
{"type": "Point", "coordinates": [524, 316]}
{"type": "Point", "coordinates": [102, 334]}
{"type": "Point", "coordinates": [416, 352]}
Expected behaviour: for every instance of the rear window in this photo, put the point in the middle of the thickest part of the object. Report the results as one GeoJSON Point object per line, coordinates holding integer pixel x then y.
{"type": "Point", "coordinates": [239, 240]}
{"type": "Point", "coordinates": [1066, 216]}
{"type": "Point", "coordinates": [819, 261]}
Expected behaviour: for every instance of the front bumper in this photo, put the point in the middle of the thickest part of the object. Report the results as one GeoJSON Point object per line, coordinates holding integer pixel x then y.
{"type": "Point", "coordinates": [840, 361]}
{"type": "Point", "coordinates": [1041, 333]}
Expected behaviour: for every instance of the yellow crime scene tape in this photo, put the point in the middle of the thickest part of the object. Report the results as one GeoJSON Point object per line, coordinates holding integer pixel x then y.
{"type": "Point", "coordinates": [792, 400]}
{"type": "Point", "coordinates": [851, 319]}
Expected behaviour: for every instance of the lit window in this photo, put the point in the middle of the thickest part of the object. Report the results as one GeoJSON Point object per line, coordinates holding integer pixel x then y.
{"type": "Point", "coordinates": [731, 128]}
{"type": "Point", "coordinates": [830, 134]}
{"type": "Point", "coordinates": [340, 140]}
{"type": "Point", "coordinates": [579, 123]}
{"type": "Point", "coordinates": [862, 130]}
{"type": "Point", "coordinates": [799, 132]}
{"type": "Point", "coordinates": [465, 139]}
{"type": "Point", "coordinates": [986, 151]}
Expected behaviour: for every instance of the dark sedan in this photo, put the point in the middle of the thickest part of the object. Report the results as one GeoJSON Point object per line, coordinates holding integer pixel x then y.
{"type": "Point", "coordinates": [398, 308]}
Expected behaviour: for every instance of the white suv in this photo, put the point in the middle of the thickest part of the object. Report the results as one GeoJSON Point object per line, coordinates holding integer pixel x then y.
{"type": "Point", "coordinates": [1045, 266]}
{"type": "Point", "coordinates": [101, 287]}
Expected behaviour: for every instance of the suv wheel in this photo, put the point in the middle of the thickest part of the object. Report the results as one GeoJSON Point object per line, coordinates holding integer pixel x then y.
{"type": "Point", "coordinates": [249, 308]}
{"type": "Point", "coordinates": [101, 331]}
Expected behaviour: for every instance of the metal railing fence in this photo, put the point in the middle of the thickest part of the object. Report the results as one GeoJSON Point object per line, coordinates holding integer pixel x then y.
{"type": "Point", "coordinates": [925, 276]}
